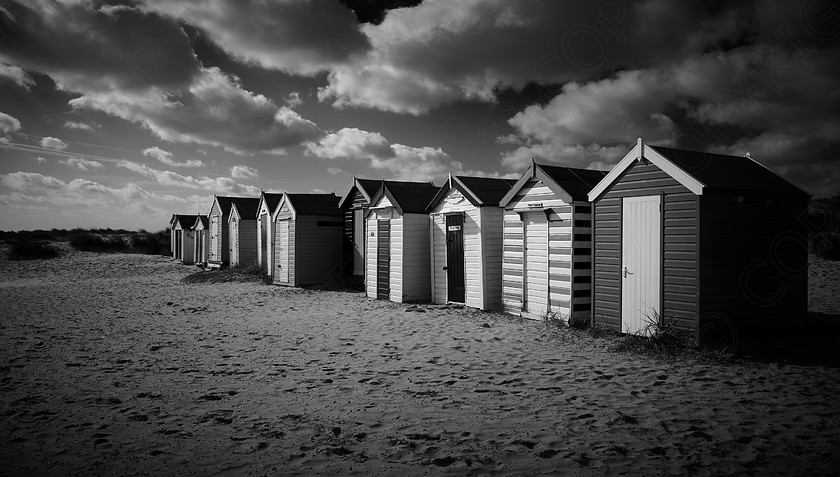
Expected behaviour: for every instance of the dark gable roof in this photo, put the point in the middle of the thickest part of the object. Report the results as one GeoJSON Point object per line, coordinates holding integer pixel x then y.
{"type": "Point", "coordinates": [411, 197]}
{"type": "Point", "coordinates": [576, 182]}
{"type": "Point", "coordinates": [187, 221]}
{"type": "Point", "coordinates": [370, 186]}
{"type": "Point", "coordinates": [315, 204]}
{"type": "Point", "coordinates": [205, 221]}
{"type": "Point", "coordinates": [271, 200]}
{"type": "Point", "coordinates": [720, 171]}
{"type": "Point", "coordinates": [489, 190]}
{"type": "Point", "coordinates": [247, 207]}
{"type": "Point", "coordinates": [224, 204]}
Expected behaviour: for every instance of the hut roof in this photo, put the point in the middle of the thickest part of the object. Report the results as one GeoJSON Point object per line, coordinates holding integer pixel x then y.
{"type": "Point", "coordinates": [248, 207]}
{"type": "Point", "coordinates": [272, 200]}
{"type": "Point", "coordinates": [478, 190]}
{"type": "Point", "coordinates": [315, 204]}
{"type": "Point", "coordinates": [205, 221]}
{"type": "Point", "coordinates": [721, 171]}
{"type": "Point", "coordinates": [569, 183]}
{"type": "Point", "coordinates": [187, 221]}
{"type": "Point", "coordinates": [408, 197]}
{"type": "Point", "coordinates": [698, 171]}
{"type": "Point", "coordinates": [368, 188]}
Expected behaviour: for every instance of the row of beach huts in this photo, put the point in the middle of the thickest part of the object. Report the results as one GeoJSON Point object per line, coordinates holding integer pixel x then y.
{"type": "Point", "coordinates": [667, 232]}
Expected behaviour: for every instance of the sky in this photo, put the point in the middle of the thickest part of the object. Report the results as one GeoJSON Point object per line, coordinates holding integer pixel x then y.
{"type": "Point", "coordinates": [120, 113]}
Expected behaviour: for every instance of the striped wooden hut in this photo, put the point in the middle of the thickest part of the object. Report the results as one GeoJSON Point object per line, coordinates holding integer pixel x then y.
{"type": "Point", "coordinates": [398, 266]}
{"type": "Point", "coordinates": [353, 206]}
{"type": "Point", "coordinates": [242, 224]}
{"type": "Point", "coordinates": [466, 227]}
{"type": "Point", "coordinates": [202, 240]}
{"type": "Point", "coordinates": [265, 230]}
{"type": "Point", "coordinates": [307, 239]}
{"type": "Point", "coordinates": [713, 242]}
{"type": "Point", "coordinates": [547, 243]}
{"type": "Point", "coordinates": [184, 238]}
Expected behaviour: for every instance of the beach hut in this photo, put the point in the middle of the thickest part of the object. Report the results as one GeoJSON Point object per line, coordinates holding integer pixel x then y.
{"type": "Point", "coordinates": [713, 243]}
{"type": "Point", "coordinates": [307, 239]}
{"type": "Point", "coordinates": [466, 251]}
{"type": "Point", "coordinates": [184, 238]}
{"type": "Point", "coordinates": [265, 230]}
{"type": "Point", "coordinates": [547, 243]}
{"type": "Point", "coordinates": [202, 240]}
{"type": "Point", "coordinates": [398, 262]}
{"type": "Point", "coordinates": [353, 206]}
{"type": "Point", "coordinates": [242, 225]}
{"type": "Point", "coordinates": [219, 252]}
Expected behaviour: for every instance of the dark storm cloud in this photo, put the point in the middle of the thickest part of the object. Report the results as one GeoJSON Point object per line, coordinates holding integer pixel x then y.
{"type": "Point", "coordinates": [140, 66]}
{"type": "Point", "coordinates": [440, 52]}
{"type": "Point", "coordinates": [295, 36]}
{"type": "Point", "coordinates": [102, 48]}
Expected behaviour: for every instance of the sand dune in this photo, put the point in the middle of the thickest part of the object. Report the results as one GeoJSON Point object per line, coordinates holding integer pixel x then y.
{"type": "Point", "coordinates": [110, 365]}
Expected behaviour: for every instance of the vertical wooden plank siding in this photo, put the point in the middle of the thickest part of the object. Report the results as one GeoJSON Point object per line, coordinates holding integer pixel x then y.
{"type": "Point", "coordinates": [284, 246]}
{"type": "Point", "coordinates": [262, 244]}
{"type": "Point", "coordinates": [679, 246]}
{"type": "Point", "coordinates": [536, 259]}
{"type": "Point", "coordinates": [414, 267]}
{"type": "Point", "coordinates": [215, 218]}
{"type": "Point", "coordinates": [233, 241]}
{"type": "Point", "coordinates": [371, 249]}
{"type": "Point", "coordinates": [383, 260]}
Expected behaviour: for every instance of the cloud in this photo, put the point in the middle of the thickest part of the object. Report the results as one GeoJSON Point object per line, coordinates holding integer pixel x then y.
{"type": "Point", "coordinates": [240, 171]}
{"type": "Point", "coordinates": [84, 49]}
{"type": "Point", "coordinates": [222, 185]}
{"type": "Point", "coordinates": [34, 187]}
{"type": "Point", "coordinates": [16, 75]}
{"type": "Point", "coordinates": [53, 143]}
{"type": "Point", "coordinates": [81, 163]}
{"type": "Point", "coordinates": [441, 52]}
{"type": "Point", "coordinates": [165, 157]}
{"type": "Point", "coordinates": [140, 66]}
{"type": "Point", "coordinates": [314, 36]}
{"type": "Point", "coordinates": [41, 159]}
{"type": "Point", "coordinates": [8, 123]}
{"type": "Point", "coordinates": [82, 125]}
{"type": "Point", "coordinates": [688, 104]}
{"type": "Point", "coordinates": [401, 161]}
{"type": "Point", "coordinates": [202, 115]}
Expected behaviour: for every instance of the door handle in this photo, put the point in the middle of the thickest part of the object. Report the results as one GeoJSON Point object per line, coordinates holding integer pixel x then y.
{"type": "Point", "coordinates": [626, 272]}
{"type": "Point", "coordinates": [445, 268]}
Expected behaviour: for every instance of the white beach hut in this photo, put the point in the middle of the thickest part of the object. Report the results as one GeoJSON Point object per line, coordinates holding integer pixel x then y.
{"type": "Point", "coordinates": [398, 258]}
{"type": "Point", "coordinates": [202, 240]}
{"type": "Point", "coordinates": [265, 230]}
{"type": "Point", "coordinates": [466, 227]}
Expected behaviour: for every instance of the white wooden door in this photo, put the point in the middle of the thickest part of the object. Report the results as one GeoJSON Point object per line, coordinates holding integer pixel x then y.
{"type": "Point", "coordinates": [535, 288]}
{"type": "Point", "coordinates": [283, 251]}
{"type": "Point", "coordinates": [234, 242]}
{"type": "Point", "coordinates": [641, 262]}
{"type": "Point", "coordinates": [214, 240]}
{"type": "Point", "coordinates": [358, 242]}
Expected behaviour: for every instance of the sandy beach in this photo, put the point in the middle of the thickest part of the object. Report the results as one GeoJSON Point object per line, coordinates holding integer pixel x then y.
{"type": "Point", "coordinates": [109, 365]}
